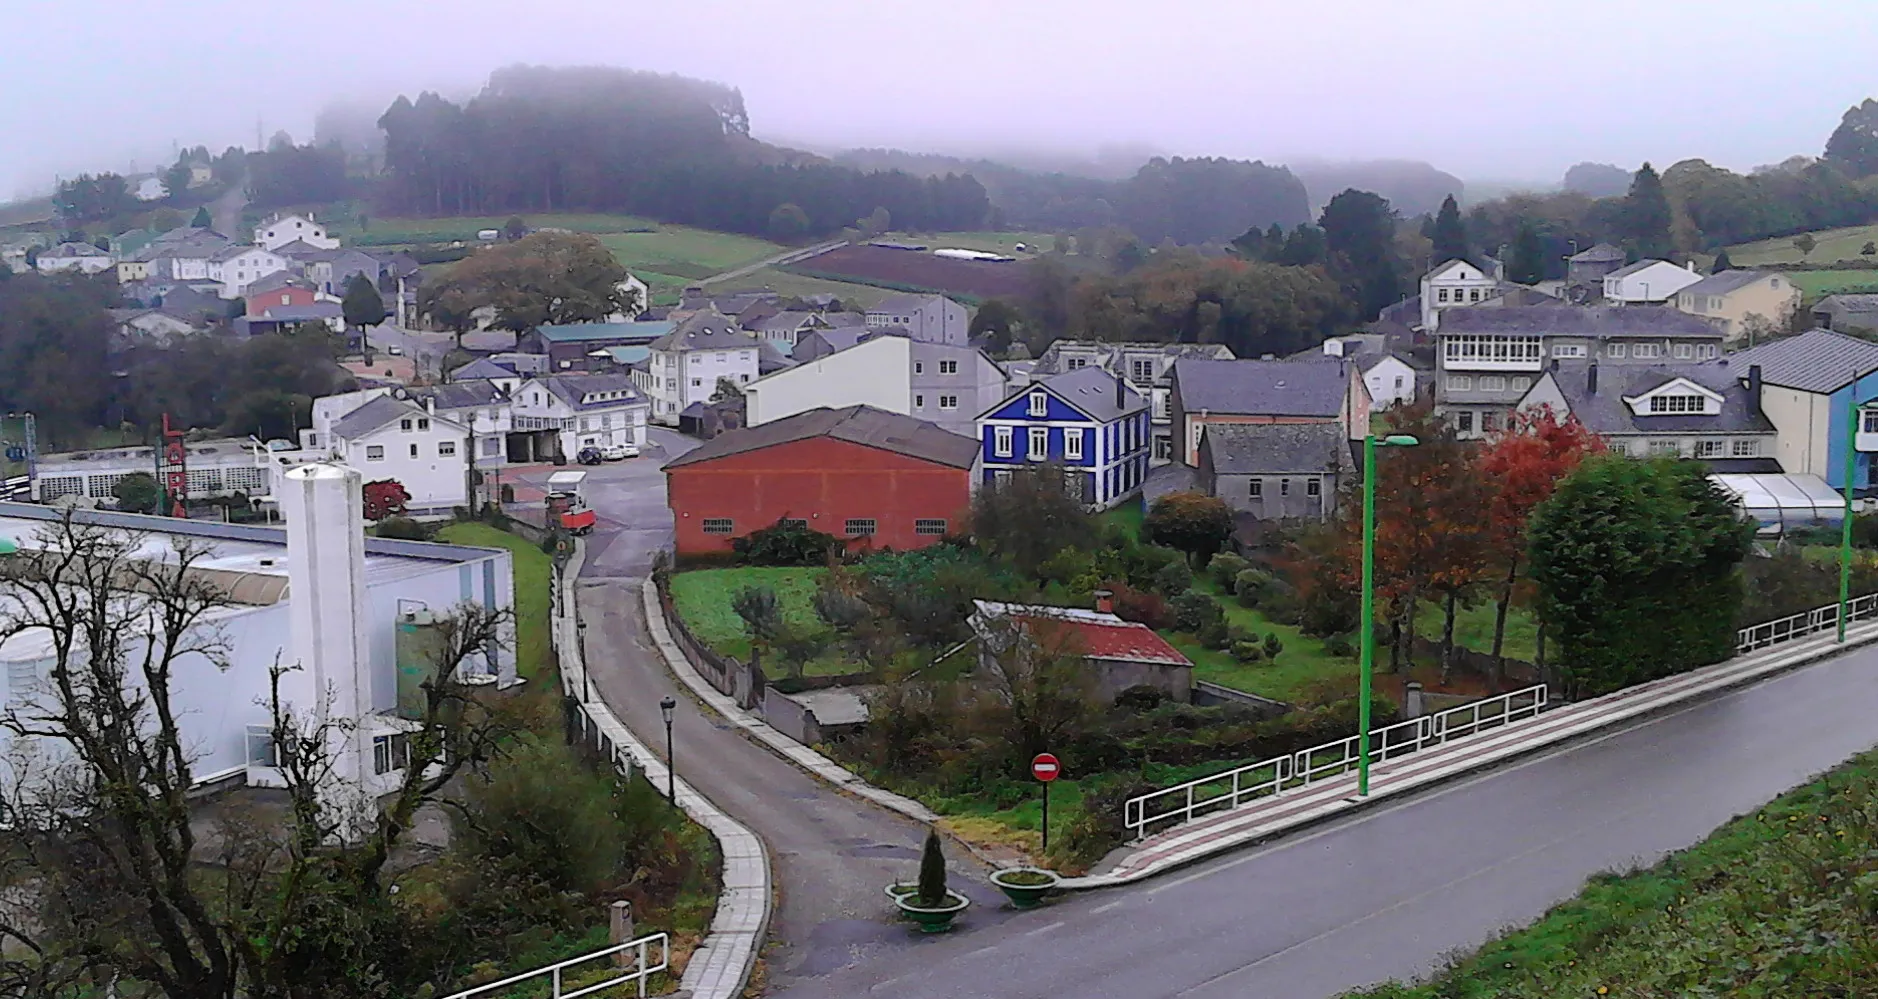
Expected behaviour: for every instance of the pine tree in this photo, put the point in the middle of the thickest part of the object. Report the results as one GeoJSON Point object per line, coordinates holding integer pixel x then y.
{"type": "Point", "coordinates": [1646, 215]}
{"type": "Point", "coordinates": [362, 305]}
{"type": "Point", "coordinates": [1722, 263]}
{"type": "Point", "coordinates": [1526, 263]}
{"type": "Point", "coordinates": [202, 219]}
{"type": "Point", "coordinates": [1450, 235]}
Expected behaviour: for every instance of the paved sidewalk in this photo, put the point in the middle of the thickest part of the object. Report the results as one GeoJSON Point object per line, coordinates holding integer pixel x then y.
{"type": "Point", "coordinates": [1328, 798]}
{"type": "Point", "coordinates": [721, 965]}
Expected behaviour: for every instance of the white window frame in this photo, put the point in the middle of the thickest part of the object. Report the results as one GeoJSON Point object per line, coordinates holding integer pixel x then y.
{"type": "Point", "coordinates": [1039, 404]}
{"type": "Point", "coordinates": [374, 452]}
{"type": "Point", "coordinates": [1001, 441]}
{"type": "Point", "coordinates": [446, 449]}
{"type": "Point", "coordinates": [948, 367]}
{"type": "Point", "coordinates": [1037, 445]}
{"type": "Point", "coordinates": [1072, 444]}
{"type": "Point", "coordinates": [1745, 447]}
{"type": "Point", "coordinates": [948, 402]}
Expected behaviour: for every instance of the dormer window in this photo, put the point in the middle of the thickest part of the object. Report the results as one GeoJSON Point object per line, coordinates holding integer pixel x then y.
{"type": "Point", "coordinates": [1677, 404]}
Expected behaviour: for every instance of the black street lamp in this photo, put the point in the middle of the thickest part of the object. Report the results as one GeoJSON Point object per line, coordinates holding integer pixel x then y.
{"type": "Point", "coordinates": [671, 768]}
{"type": "Point", "coordinates": [586, 687]}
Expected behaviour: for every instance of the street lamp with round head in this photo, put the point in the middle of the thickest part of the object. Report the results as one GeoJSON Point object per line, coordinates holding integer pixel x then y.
{"type": "Point", "coordinates": [665, 708]}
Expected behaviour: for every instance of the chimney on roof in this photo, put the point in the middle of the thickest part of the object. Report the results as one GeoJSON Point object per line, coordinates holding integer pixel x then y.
{"type": "Point", "coordinates": [1104, 602]}
{"type": "Point", "coordinates": [1754, 386]}
{"type": "Point", "coordinates": [1121, 393]}
{"type": "Point", "coordinates": [1591, 379]}
{"type": "Point", "coordinates": [1333, 347]}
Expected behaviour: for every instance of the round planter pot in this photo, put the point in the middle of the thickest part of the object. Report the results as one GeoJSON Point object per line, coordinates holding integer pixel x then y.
{"type": "Point", "coordinates": [1022, 895]}
{"type": "Point", "coordinates": [934, 919]}
{"type": "Point", "coordinates": [899, 890]}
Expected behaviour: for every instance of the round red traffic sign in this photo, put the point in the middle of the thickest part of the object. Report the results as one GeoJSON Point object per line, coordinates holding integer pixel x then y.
{"type": "Point", "coordinates": [1045, 767]}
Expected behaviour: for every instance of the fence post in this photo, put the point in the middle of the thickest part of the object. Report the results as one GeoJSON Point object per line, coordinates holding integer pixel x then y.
{"type": "Point", "coordinates": [1412, 704]}
{"type": "Point", "coordinates": [620, 930]}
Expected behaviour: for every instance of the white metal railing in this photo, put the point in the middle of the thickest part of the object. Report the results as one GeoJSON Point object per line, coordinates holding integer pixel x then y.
{"type": "Point", "coordinates": [1786, 629]}
{"type": "Point", "coordinates": [1231, 788]}
{"type": "Point", "coordinates": [632, 959]}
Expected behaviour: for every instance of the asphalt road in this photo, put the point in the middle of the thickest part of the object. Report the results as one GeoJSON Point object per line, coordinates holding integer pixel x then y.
{"type": "Point", "coordinates": [1385, 894]}
{"type": "Point", "coordinates": [831, 854]}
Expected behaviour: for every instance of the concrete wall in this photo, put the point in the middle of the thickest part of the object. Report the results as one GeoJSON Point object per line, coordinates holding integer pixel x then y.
{"type": "Point", "coordinates": [875, 373]}
{"type": "Point", "coordinates": [1117, 675]}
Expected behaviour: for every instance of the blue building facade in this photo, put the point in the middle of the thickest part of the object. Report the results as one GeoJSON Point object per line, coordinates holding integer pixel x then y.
{"type": "Point", "coordinates": [1088, 422]}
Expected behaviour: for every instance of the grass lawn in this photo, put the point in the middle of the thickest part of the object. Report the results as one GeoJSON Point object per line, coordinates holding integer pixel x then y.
{"type": "Point", "coordinates": [1816, 284]}
{"type": "Point", "coordinates": [1834, 245]}
{"type": "Point", "coordinates": [990, 242]}
{"type": "Point", "coordinates": [1128, 516]}
{"type": "Point", "coordinates": [852, 295]}
{"type": "Point", "coordinates": [1776, 903]}
{"type": "Point", "coordinates": [532, 570]}
{"type": "Point", "coordinates": [703, 598]}
{"type": "Point", "coordinates": [1473, 629]}
{"type": "Point", "coordinates": [1304, 672]}
{"type": "Point", "coordinates": [682, 254]}
{"type": "Point", "coordinates": [384, 231]}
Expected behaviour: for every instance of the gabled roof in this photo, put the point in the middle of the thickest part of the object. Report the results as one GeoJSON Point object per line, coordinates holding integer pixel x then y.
{"type": "Point", "coordinates": [1849, 303]}
{"type": "Point", "coordinates": [1449, 264]}
{"type": "Point", "coordinates": [1572, 320]}
{"type": "Point", "coordinates": [1274, 448]}
{"type": "Point", "coordinates": [277, 281]}
{"type": "Point", "coordinates": [1091, 390]}
{"type": "Point", "coordinates": [1101, 635]}
{"type": "Point", "coordinates": [1725, 282]}
{"type": "Point", "coordinates": [75, 250]}
{"type": "Point", "coordinates": [462, 394]}
{"type": "Point", "coordinates": [300, 249]}
{"type": "Point", "coordinates": [863, 425]}
{"type": "Point", "coordinates": [299, 313]}
{"type": "Point", "coordinates": [841, 338]}
{"type": "Point", "coordinates": [1638, 267]}
{"type": "Point", "coordinates": [897, 304]}
{"type": "Point", "coordinates": [1264, 388]}
{"type": "Point", "coordinates": [1600, 253]}
{"type": "Point", "coordinates": [1815, 361]}
{"type": "Point", "coordinates": [1606, 411]}
{"type": "Point", "coordinates": [579, 391]}
{"type": "Point", "coordinates": [583, 332]}
{"type": "Point", "coordinates": [379, 412]}
{"type": "Point", "coordinates": [231, 252]}
{"type": "Point", "coordinates": [707, 329]}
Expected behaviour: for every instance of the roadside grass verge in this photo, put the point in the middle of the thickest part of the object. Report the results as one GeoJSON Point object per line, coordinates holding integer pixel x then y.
{"type": "Point", "coordinates": [1776, 903]}
{"type": "Point", "coordinates": [532, 572]}
{"type": "Point", "coordinates": [703, 598]}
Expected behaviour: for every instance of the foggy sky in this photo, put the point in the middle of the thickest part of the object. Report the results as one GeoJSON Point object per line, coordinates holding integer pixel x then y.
{"type": "Point", "coordinates": [1510, 90]}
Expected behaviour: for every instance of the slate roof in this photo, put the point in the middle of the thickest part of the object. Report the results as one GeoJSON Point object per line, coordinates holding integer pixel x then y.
{"type": "Point", "coordinates": [572, 389]}
{"type": "Point", "coordinates": [462, 394]}
{"type": "Point", "coordinates": [1815, 361]}
{"type": "Point", "coordinates": [1264, 388]}
{"type": "Point", "coordinates": [707, 329]}
{"type": "Point", "coordinates": [1606, 412]}
{"type": "Point", "coordinates": [379, 412]}
{"type": "Point", "coordinates": [894, 305]}
{"type": "Point", "coordinates": [1091, 390]}
{"type": "Point", "coordinates": [299, 313]}
{"type": "Point", "coordinates": [1641, 265]}
{"type": "Point", "coordinates": [275, 281]}
{"type": "Point", "coordinates": [863, 425]}
{"type": "Point", "coordinates": [1272, 448]}
{"type": "Point", "coordinates": [1602, 321]}
{"type": "Point", "coordinates": [1053, 359]}
{"type": "Point", "coordinates": [580, 332]}
{"type": "Point", "coordinates": [302, 250]}
{"type": "Point", "coordinates": [231, 252]}
{"type": "Point", "coordinates": [483, 368]}
{"type": "Point", "coordinates": [1600, 253]}
{"type": "Point", "coordinates": [843, 337]}
{"type": "Point", "coordinates": [1725, 282]}
{"type": "Point", "coordinates": [1849, 303]}
{"type": "Point", "coordinates": [75, 250]}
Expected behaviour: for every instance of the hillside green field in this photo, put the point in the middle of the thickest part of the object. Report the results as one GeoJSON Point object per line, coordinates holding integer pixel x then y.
{"type": "Point", "coordinates": [801, 285]}
{"type": "Point", "coordinates": [1834, 245]}
{"type": "Point", "coordinates": [1817, 283]}
{"type": "Point", "coordinates": [990, 242]}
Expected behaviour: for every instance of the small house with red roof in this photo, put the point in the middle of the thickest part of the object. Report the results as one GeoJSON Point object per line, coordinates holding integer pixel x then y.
{"type": "Point", "coordinates": [1121, 653]}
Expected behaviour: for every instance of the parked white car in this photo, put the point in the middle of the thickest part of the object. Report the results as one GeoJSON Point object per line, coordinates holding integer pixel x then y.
{"type": "Point", "coordinates": [619, 452]}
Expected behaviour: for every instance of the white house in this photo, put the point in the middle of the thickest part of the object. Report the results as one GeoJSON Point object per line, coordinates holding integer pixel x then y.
{"type": "Point", "coordinates": [283, 229]}
{"type": "Point", "coordinates": [390, 437]}
{"type": "Point", "coordinates": [561, 414]}
{"type": "Point", "coordinates": [481, 405]}
{"type": "Point", "coordinates": [1390, 379]}
{"type": "Point", "coordinates": [685, 365]}
{"type": "Point", "coordinates": [1648, 281]}
{"type": "Point", "coordinates": [1456, 283]}
{"type": "Point", "coordinates": [240, 266]}
{"type": "Point", "coordinates": [932, 318]}
{"type": "Point", "coordinates": [82, 257]}
{"type": "Point", "coordinates": [875, 372]}
{"type": "Point", "coordinates": [151, 189]}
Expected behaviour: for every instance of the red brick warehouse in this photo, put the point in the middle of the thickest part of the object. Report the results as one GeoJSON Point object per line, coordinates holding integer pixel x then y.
{"type": "Point", "coordinates": [867, 476]}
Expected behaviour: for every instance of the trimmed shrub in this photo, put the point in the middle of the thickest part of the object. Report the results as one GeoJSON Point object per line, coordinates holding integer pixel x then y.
{"type": "Point", "coordinates": [1251, 586]}
{"type": "Point", "coordinates": [1273, 646]}
{"type": "Point", "coordinates": [1144, 608]}
{"type": "Point", "coordinates": [1140, 697]}
{"type": "Point", "coordinates": [786, 543]}
{"type": "Point", "coordinates": [1340, 644]}
{"type": "Point", "coordinates": [1173, 579]}
{"type": "Point", "coordinates": [402, 528]}
{"type": "Point", "coordinates": [1247, 652]}
{"type": "Point", "coordinates": [1226, 567]}
{"type": "Point", "coordinates": [1194, 610]}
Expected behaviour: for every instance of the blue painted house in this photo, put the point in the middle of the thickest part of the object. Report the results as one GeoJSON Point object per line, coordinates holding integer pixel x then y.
{"type": "Point", "coordinates": [1808, 384]}
{"type": "Point", "coordinates": [1087, 421]}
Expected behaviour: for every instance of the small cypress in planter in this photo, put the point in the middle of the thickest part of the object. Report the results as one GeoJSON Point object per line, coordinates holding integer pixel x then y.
{"type": "Point", "coordinates": [932, 872]}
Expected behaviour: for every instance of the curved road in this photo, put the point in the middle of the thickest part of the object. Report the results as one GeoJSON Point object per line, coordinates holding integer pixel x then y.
{"type": "Point", "coordinates": [1383, 895]}
{"type": "Point", "coordinates": [831, 854]}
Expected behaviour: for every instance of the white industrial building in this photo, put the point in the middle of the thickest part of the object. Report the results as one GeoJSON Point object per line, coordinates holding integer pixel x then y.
{"type": "Point", "coordinates": [219, 467]}
{"type": "Point", "coordinates": [355, 613]}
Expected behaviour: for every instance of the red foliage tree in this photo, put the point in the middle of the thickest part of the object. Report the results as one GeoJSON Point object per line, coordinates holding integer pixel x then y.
{"type": "Point", "coordinates": [385, 498]}
{"type": "Point", "coordinates": [1522, 465]}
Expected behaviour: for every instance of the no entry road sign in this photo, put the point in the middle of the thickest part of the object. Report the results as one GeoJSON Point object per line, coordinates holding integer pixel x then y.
{"type": "Point", "coordinates": [1045, 767]}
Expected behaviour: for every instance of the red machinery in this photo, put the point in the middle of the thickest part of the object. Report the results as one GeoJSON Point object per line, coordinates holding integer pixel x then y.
{"type": "Point", "coordinates": [567, 508]}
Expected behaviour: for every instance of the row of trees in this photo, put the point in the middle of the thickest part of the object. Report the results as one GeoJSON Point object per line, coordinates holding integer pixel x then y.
{"type": "Point", "coordinates": [541, 278]}
{"type": "Point", "coordinates": [546, 139]}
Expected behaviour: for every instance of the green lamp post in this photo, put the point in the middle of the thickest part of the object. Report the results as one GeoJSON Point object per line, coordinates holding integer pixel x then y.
{"type": "Point", "coordinates": [1845, 528]}
{"type": "Point", "coordinates": [1367, 662]}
